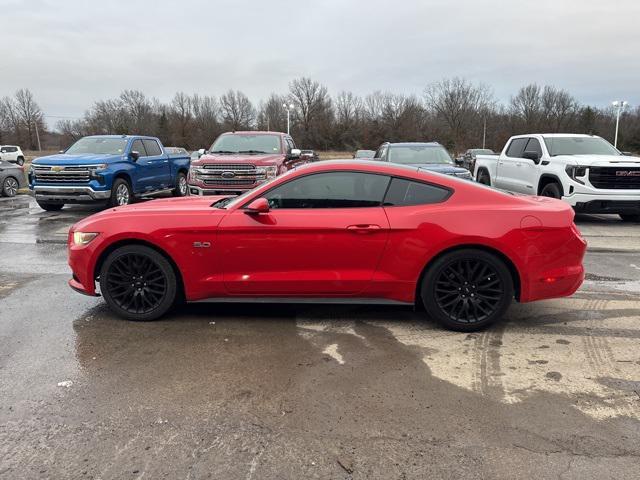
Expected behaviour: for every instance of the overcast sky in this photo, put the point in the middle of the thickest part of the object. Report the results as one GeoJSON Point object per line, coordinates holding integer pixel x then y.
{"type": "Point", "coordinates": [72, 52]}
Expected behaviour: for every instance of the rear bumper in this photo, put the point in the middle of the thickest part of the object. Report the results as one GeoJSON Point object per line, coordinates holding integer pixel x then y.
{"type": "Point", "coordinates": [69, 194]}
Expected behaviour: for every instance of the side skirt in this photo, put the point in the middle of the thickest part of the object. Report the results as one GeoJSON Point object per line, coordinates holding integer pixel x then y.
{"type": "Point", "coordinates": [304, 300]}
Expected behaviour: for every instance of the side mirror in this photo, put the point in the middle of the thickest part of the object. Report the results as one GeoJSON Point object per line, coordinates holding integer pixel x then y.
{"type": "Point", "coordinates": [134, 155]}
{"type": "Point", "coordinates": [259, 205]}
{"type": "Point", "coordinates": [458, 161]}
{"type": "Point", "coordinates": [295, 153]}
{"type": "Point", "coordinates": [201, 152]}
{"type": "Point", "coordinates": [627, 154]}
{"type": "Point", "coordinates": [59, 151]}
{"type": "Point", "coordinates": [529, 155]}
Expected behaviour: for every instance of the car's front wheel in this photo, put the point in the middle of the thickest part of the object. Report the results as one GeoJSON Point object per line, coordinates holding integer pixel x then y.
{"type": "Point", "coordinates": [483, 178]}
{"type": "Point", "coordinates": [138, 283]}
{"type": "Point", "coordinates": [10, 187]}
{"type": "Point", "coordinates": [551, 190]}
{"type": "Point", "coordinates": [121, 193]}
{"type": "Point", "coordinates": [467, 290]}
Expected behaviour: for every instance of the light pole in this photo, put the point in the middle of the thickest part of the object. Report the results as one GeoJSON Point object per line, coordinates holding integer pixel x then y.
{"type": "Point", "coordinates": [620, 105]}
{"type": "Point", "coordinates": [484, 133]}
{"type": "Point", "coordinates": [288, 108]}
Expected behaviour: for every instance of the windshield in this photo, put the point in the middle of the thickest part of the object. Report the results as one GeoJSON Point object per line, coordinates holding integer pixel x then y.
{"type": "Point", "coordinates": [418, 154]}
{"type": "Point", "coordinates": [98, 146]}
{"type": "Point", "coordinates": [365, 154]}
{"type": "Point", "coordinates": [579, 146]}
{"type": "Point", "coordinates": [235, 143]}
{"type": "Point", "coordinates": [481, 151]}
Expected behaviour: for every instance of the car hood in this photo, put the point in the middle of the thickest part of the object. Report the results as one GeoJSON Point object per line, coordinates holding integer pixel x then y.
{"type": "Point", "coordinates": [64, 159]}
{"type": "Point", "coordinates": [440, 168]}
{"type": "Point", "coordinates": [262, 160]}
{"type": "Point", "coordinates": [599, 160]}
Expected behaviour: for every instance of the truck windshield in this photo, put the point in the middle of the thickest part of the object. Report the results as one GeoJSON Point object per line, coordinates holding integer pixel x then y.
{"type": "Point", "coordinates": [256, 144]}
{"type": "Point", "coordinates": [418, 155]}
{"type": "Point", "coordinates": [579, 146]}
{"type": "Point", "coordinates": [98, 146]}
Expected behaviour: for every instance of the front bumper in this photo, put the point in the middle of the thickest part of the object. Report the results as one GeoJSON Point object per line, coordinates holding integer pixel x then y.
{"type": "Point", "coordinates": [588, 203]}
{"type": "Point", "coordinates": [194, 190]}
{"type": "Point", "coordinates": [69, 194]}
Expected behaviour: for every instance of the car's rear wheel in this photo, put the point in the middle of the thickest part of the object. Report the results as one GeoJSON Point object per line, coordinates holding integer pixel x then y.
{"type": "Point", "coordinates": [551, 190]}
{"type": "Point", "coordinates": [138, 283]}
{"type": "Point", "coordinates": [483, 177]}
{"type": "Point", "coordinates": [467, 290]}
{"type": "Point", "coordinates": [10, 187]}
{"type": "Point", "coordinates": [630, 218]}
{"type": "Point", "coordinates": [50, 207]}
{"type": "Point", "coordinates": [182, 189]}
{"type": "Point", "coordinates": [121, 193]}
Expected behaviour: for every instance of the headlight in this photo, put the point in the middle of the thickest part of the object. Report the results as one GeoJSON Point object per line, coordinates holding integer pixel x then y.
{"type": "Point", "coordinates": [83, 238]}
{"type": "Point", "coordinates": [94, 169]}
{"type": "Point", "coordinates": [577, 173]}
{"type": "Point", "coordinates": [465, 175]}
{"type": "Point", "coordinates": [269, 172]}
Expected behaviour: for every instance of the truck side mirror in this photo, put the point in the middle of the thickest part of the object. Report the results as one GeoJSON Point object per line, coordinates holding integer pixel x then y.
{"type": "Point", "coordinates": [201, 152]}
{"type": "Point", "coordinates": [529, 155]}
{"type": "Point", "coordinates": [459, 161]}
{"type": "Point", "coordinates": [295, 153]}
{"type": "Point", "coordinates": [134, 155]}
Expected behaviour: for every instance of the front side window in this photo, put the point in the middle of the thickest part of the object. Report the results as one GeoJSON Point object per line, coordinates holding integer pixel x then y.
{"type": "Point", "coordinates": [137, 146]}
{"type": "Point", "coordinates": [419, 155]}
{"type": "Point", "coordinates": [330, 190]}
{"type": "Point", "coordinates": [404, 192]}
{"type": "Point", "coordinates": [249, 144]}
{"type": "Point", "coordinates": [534, 146]}
{"type": "Point", "coordinates": [98, 146]}
{"type": "Point", "coordinates": [516, 147]}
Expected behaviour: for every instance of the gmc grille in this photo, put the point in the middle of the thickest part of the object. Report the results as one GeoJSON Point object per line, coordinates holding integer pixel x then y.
{"type": "Point", "coordinates": [615, 178]}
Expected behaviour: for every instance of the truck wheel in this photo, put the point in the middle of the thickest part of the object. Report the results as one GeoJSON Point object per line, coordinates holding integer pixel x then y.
{"type": "Point", "coordinates": [483, 177]}
{"type": "Point", "coordinates": [551, 190]}
{"type": "Point", "coordinates": [182, 189]}
{"type": "Point", "coordinates": [120, 193]}
{"type": "Point", "coordinates": [138, 283]}
{"type": "Point", "coordinates": [20, 161]}
{"type": "Point", "coordinates": [467, 290]}
{"type": "Point", "coordinates": [50, 207]}
{"type": "Point", "coordinates": [10, 187]}
{"type": "Point", "coordinates": [630, 218]}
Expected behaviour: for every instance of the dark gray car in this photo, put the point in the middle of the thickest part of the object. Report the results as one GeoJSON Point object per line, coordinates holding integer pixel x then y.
{"type": "Point", "coordinates": [12, 178]}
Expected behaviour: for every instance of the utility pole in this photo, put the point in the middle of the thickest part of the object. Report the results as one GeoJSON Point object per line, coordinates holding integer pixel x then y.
{"type": "Point", "coordinates": [484, 132]}
{"type": "Point", "coordinates": [620, 105]}
{"type": "Point", "coordinates": [38, 136]}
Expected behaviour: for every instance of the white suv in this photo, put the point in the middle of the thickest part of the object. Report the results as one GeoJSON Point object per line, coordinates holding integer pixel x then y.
{"type": "Point", "coordinates": [12, 153]}
{"type": "Point", "coordinates": [585, 171]}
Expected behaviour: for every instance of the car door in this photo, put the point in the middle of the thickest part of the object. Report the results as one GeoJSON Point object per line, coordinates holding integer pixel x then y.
{"type": "Point", "coordinates": [509, 164]}
{"type": "Point", "coordinates": [527, 169]}
{"type": "Point", "coordinates": [159, 165]}
{"type": "Point", "coordinates": [323, 235]}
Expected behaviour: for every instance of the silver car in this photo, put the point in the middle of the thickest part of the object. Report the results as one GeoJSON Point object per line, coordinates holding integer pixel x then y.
{"type": "Point", "coordinates": [12, 178]}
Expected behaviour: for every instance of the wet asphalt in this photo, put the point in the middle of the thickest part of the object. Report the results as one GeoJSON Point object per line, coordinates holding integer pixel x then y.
{"type": "Point", "coordinates": [273, 391]}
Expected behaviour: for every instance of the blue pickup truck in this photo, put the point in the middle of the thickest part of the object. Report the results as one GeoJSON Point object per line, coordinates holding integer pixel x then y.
{"type": "Point", "coordinates": [109, 169]}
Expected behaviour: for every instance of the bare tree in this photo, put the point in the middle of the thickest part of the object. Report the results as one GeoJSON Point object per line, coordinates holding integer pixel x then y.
{"type": "Point", "coordinates": [180, 118]}
{"type": "Point", "coordinates": [205, 120]}
{"type": "Point", "coordinates": [312, 109]}
{"type": "Point", "coordinates": [272, 115]}
{"type": "Point", "coordinates": [30, 116]}
{"type": "Point", "coordinates": [237, 111]}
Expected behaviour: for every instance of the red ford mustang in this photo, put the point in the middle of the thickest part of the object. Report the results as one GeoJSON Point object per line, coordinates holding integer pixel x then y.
{"type": "Point", "coordinates": [344, 231]}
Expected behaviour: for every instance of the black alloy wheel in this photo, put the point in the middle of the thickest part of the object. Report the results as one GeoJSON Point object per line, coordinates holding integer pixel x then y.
{"type": "Point", "coordinates": [138, 283]}
{"type": "Point", "coordinates": [551, 190]}
{"type": "Point", "coordinates": [467, 289]}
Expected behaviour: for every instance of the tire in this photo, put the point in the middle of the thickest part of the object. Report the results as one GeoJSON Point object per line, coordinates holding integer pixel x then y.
{"type": "Point", "coordinates": [182, 189]}
{"type": "Point", "coordinates": [630, 217]}
{"type": "Point", "coordinates": [552, 190]}
{"type": "Point", "coordinates": [470, 306]}
{"type": "Point", "coordinates": [50, 207]}
{"type": "Point", "coordinates": [483, 178]}
{"type": "Point", "coordinates": [10, 187]}
{"type": "Point", "coordinates": [121, 193]}
{"type": "Point", "coordinates": [20, 161]}
{"type": "Point", "coordinates": [138, 283]}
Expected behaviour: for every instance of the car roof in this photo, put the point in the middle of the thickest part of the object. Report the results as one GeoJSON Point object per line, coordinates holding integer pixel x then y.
{"type": "Point", "coordinates": [556, 135]}
{"type": "Point", "coordinates": [414, 144]}
{"type": "Point", "coordinates": [254, 132]}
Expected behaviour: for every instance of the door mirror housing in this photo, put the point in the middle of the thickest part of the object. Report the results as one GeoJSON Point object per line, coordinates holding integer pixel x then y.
{"type": "Point", "coordinates": [295, 153]}
{"type": "Point", "coordinates": [134, 155]}
{"type": "Point", "coordinates": [529, 155]}
{"type": "Point", "coordinates": [259, 205]}
{"type": "Point", "coordinates": [201, 152]}
{"type": "Point", "coordinates": [459, 161]}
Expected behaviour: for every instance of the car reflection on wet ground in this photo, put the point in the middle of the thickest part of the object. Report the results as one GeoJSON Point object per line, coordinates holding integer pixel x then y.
{"type": "Point", "coordinates": [273, 391]}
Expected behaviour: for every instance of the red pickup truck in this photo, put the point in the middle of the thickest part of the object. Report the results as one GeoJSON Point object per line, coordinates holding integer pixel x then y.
{"type": "Point", "coordinates": [240, 161]}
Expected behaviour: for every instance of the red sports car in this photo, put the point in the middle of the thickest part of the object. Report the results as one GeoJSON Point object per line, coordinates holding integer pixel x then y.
{"type": "Point", "coordinates": [339, 231]}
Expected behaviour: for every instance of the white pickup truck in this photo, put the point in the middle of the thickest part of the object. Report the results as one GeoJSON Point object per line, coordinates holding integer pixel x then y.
{"type": "Point", "coordinates": [586, 171]}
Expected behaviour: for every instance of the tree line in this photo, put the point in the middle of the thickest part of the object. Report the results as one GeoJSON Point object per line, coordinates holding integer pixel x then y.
{"type": "Point", "coordinates": [454, 112]}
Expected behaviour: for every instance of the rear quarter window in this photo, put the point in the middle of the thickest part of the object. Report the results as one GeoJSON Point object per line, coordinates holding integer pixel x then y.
{"type": "Point", "coordinates": [402, 193]}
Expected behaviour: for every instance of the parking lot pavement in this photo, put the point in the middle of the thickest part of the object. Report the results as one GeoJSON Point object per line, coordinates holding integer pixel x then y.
{"type": "Point", "coordinates": [272, 391]}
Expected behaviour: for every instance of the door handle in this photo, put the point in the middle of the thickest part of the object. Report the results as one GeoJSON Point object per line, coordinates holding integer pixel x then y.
{"type": "Point", "coordinates": [363, 228]}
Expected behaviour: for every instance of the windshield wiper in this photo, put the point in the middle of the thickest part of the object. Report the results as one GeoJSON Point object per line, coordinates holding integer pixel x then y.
{"type": "Point", "coordinates": [223, 151]}
{"type": "Point", "coordinates": [251, 151]}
